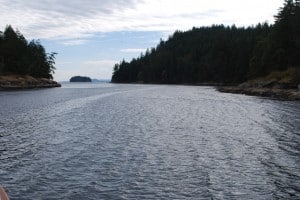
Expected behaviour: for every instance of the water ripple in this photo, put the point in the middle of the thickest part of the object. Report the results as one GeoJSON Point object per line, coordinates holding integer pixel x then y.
{"type": "Point", "coordinates": [148, 142]}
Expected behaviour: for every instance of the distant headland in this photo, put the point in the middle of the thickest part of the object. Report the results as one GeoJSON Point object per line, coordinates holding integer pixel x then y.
{"type": "Point", "coordinates": [80, 79]}
{"type": "Point", "coordinates": [259, 60]}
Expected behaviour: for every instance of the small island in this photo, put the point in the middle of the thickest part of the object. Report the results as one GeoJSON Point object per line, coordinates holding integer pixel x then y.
{"type": "Point", "coordinates": [80, 79]}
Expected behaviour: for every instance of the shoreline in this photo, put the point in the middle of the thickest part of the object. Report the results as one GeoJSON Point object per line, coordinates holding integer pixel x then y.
{"type": "Point", "coordinates": [279, 94]}
{"type": "Point", "coordinates": [272, 93]}
{"type": "Point", "coordinates": [21, 82]}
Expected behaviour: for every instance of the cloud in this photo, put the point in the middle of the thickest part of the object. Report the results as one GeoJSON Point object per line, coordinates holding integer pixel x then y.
{"type": "Point", "coordinates": [69, 20]}
{"type": "Point", "coordinates": [99, 63]}
{"type": "Point", "coordinates": [57, 19]}
{"type": "Point", "coordinates": [74, 42]}
{"type": "Point", "coordinates": [133, 50]}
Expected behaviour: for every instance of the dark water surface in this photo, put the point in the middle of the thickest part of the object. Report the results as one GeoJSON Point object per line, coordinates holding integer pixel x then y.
{"type": "Point", "coordinates": [102, 141]}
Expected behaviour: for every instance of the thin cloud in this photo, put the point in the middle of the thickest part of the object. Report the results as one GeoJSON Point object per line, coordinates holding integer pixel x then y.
{"type": "Point", "coordinates": [53, 19]}
{"type": "Point", "coordinates": [99, 63]}
{"type": "Point", "coordinates": [74, 42]}
{"type": "Point", "coordinates": [133, 50]}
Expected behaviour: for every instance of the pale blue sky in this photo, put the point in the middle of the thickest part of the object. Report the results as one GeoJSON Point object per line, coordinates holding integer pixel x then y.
{"type": "Point", "coordinates": [90, 36]}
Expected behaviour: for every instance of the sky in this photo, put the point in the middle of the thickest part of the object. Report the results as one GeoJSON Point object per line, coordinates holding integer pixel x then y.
{"type": "Point", "coordinates": [91, 36]}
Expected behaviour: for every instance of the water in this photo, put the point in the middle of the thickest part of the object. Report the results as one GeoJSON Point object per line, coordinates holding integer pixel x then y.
{"type": "Point", "coordinates": [103, 141]}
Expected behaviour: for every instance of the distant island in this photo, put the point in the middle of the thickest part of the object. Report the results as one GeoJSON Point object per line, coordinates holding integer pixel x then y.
{"type": "Point", "coordinates": [23, 64]}
{"type": "Point", "coordinates": [262, 56]}
{"type": "Point", "coordinates": [80, 79]}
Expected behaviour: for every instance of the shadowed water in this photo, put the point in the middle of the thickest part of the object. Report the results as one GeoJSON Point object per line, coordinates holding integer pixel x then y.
{"type": "Point", "coordinates": [103, 141]}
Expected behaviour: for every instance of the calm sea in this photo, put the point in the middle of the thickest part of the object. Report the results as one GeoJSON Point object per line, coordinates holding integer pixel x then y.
{"type": "Point", "coordinates": [105, 141]}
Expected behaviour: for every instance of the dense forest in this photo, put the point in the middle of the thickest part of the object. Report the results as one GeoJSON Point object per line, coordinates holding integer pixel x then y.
{"type": "Point", "coordinates": [18, 56]}
{"type": "Point", "coordinates": [219, 54]}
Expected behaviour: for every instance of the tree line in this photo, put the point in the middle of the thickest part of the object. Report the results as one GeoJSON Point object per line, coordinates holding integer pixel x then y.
{"type": "Point", "coordinates": [220, 54]}
{"type": "Point", "coordinates": [18, 56]}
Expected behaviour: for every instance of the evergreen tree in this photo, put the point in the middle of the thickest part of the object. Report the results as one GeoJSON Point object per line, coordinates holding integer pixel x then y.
{"type": "Point", "coordinates": [281, 48]}
{"type": "Point", "coordinates": [285, 35]}
{"type": "Point", "coordinates": [220, 54]}
{"type": "Point", "coordinates": [17, 56]}
{"type": "Point", "coordinates": [13, 49]}
{"type": "Point", "coordinates": [40, 63]}
{"type": "Point", "coordinates": [207, 54]}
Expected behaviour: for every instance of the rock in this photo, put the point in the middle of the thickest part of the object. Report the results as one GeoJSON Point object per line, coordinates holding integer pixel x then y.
{"type": "Point", "coordinates": [16, 82]}
{"type": "Point", "coordinates": [281, 86]}
{"type": "Point", "coordinates": [282, 94]}
{"type": "Point", "coordinates": [269, 84]}
{"type": "Point", "coordinates": [245, 85]}
{"type": "Point", "coordinates": [259, 83]}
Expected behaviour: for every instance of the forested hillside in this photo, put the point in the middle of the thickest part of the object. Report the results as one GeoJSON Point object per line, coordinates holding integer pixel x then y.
{"type": "Point", "coordinates": [18, 56]}
{"type": "Point", "coordinates": [219, 53]}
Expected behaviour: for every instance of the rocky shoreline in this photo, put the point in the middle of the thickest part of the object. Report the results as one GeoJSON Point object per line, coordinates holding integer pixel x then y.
{"type": "Point", "coordinates": [281, 94]}
{"type": "Point", "coordinates": [18, 82]}
{"type": "Point", "coordinates": [282, 85]}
